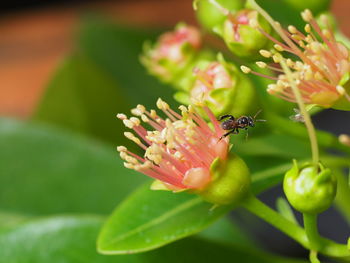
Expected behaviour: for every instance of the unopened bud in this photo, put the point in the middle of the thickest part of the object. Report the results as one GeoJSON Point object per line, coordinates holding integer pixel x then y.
{"type": "Point", "coordinates": [310, 189]}
{"type": "Point", "coordinates": [230, 184]}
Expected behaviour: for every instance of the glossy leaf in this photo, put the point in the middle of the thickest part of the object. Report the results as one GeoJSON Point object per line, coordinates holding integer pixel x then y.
{"type": "Point", "coordinates": [228, 231]}
{"type": "Point", "coordinates": [71, 239]}
{"type": "Point", "coordinates": [274, 145]}
{"type": "Point", "coordinates": [83, 98]}
{"type": "Point", "coordinates": [150, 219]}
{"type": "Point", "coordinates": [45, 171]}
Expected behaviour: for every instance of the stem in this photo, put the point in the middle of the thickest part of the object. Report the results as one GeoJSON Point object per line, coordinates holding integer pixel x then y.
{"type": "Point", "coordinates": [327, 247]}
{"type": "Point", "coordinates": [310, 225]}
{"type": "Point", "coordinates": [308, 123]}
{"type": "Point", "coordinates": [313, 257]}
{"type": "Point", "coordinates": [269, 215]}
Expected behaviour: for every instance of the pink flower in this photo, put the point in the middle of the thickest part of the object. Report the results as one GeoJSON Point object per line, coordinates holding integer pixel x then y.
{"type": "Point", "coordinates": [319, 73]}
{"type": "Point", "coordinates": [172, 51]}
{"type": "Point", "coordinates": [180, 149]}
{"type": "Point", "coordinates": [215, 76]}
{"type": "Point", "coordinates": [170, 44]}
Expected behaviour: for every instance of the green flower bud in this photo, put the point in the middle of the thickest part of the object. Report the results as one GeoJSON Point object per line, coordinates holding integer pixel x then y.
{"type": "Point", "coordinates": [172, 53]}
{"type": "Point", "coordinates": [211, 16]}
{"type": "Point", "coordinates": [343, 103]}
{"type": "Point", "coordinates": [316, 6]}
{"type": "Point", "coordinates": [223, 88]}
{"type": "Point", "coordinates": [185, 79]}
{"type": "Point", "coordinates": [230, 183]}
{"type": "Point", "coordinates": [241, 35]}
{"type": "Point", "coordinates": [310, 189]}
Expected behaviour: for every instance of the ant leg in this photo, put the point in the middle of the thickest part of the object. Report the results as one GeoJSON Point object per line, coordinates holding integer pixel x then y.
{"type": "Point", "coordinates": [226, 116]}
{"type": "Point", "coordinates": [226, 134]}
{"type": "Point", "coordinates": [236, 131]}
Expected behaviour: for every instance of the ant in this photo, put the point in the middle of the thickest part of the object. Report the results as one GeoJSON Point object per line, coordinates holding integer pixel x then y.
{"type": "Point", "coordinates": [233, 125]}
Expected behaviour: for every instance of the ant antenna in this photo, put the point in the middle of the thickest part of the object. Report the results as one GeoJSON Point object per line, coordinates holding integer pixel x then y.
{"type": "Point", "coordinates": [256, 115]}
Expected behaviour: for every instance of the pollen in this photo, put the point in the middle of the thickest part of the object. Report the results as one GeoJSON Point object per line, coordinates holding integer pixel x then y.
{"type": "Point", "coordinates": [139, 110]}
{"type": "Point", "coordinates": [128, 123]}
{"type": "Point", "coordinates": [121, 149]}
{"type": "Point", "coordinates": [292, 29]}
{"type": "Point", "coordinates": [265, 53]}
{"type": "Point", "coordinates": [245, 69]}
{"type": "Point", "coordinates": [132, 137]}
{"type": "Point", "coordinates": [278, 47]}
{"type": "Point", "coordinates": [261, 64]}
{"type": "Point", "coordinates": [121, 116]}
{"type": "Point", "coordinates": [307, 15]}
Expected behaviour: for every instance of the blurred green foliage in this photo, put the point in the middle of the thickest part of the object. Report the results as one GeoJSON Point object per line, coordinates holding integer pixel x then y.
{"type": "Point", "coordinates": [66, 164]}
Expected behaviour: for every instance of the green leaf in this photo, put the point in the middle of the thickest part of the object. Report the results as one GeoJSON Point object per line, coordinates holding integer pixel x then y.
{"type": "Point", "coordinates": [150, 219]}
{"type": "Point", "coordinates": [71, 239]}
{"type": "Point", "coordinates": [45, 171]}
{"type": "Point", "coordinates": [274, 145]}
{"type": "Point", "coordinates": [226, 230]}
{"type": "Point", "coordinates": [85, 99]}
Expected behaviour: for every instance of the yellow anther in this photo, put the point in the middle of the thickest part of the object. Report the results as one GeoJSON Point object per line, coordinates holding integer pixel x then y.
{"type": "Point", "coordinates": [129, 165]}
{"type": "Point", "coordinates": [145, 165]}
{"type": "Point", "coordinates": [135, 121]}
{"type": "Point", "coordinates": [265, 53]}
{"type": "Point", "coordinates": [139, 110]}
{"type": "Point", "coordinates": [132, 137]}
{"type": "Point", "coordinates": [306, 15]}
{"type": "Point", "coordinates": [261, 64]}
{"type": "Point", "coordinates": [340, 90]}
{"type": "Point", "coordinates": [277, 58]}
{"type": "Point", "coordinates": [278, 47]}
{"type": "Point", "coordinates": [121, 148]}
{"type": "Point", "coordinates": [162, 105]}
{"type": "Point", "coordinates": [182, 108]}
{"type": "Point", "coordinates": [121, 116]}
{"type": "Point", "coordinates": [132, 160]}
{"type": "Point", "coordinates": [245, 69]}
{"type": "Point", "coordinates": [144, 118]}
{"type": "Point", "coordinates": [123, 155]}
{"type": "Point", "coordinates": [153, 114]}
{"type": "Point", "coordinates": [289, 62]}
{"type": "Point", "coordinates": [292, 29]}
{"type": "Point", "coordinates": [128, 123]}
{"type": "Point", "coordinates": [307, 28]}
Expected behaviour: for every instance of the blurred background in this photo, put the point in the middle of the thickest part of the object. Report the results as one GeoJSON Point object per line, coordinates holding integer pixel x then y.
{"type": "Point", "coordinates": [37, 35]}
{"type": "Point", "coordinates": [60, 62]}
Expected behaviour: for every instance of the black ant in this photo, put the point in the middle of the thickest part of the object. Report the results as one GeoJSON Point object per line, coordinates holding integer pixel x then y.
{"type": "Point", "coordinates": [233, 125]}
